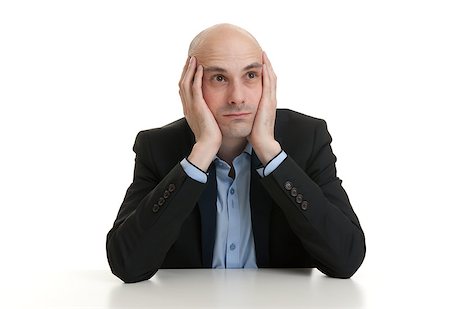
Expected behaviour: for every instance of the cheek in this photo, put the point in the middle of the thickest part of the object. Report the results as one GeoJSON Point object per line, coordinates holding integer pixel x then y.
{"type": "Point", "coordinates": [213, 93]}
{"type": "Point", "coordinates": [208, 94]}
{"type": "Point", "coordinates": [212, 97]}
{"type": "Point", "coordinates": [255, 94]}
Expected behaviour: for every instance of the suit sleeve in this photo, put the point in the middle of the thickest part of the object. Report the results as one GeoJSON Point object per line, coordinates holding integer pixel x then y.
{"type": "Point", "coordinates": [318, 209]}
{"type": "Point", "coordinates": [150, 217]}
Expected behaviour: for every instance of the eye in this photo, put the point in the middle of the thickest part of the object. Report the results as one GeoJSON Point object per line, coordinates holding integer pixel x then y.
{"type": "Point", "coordinates": [251, 75]}
{"type": "Point", "coordinates": [219, 78]}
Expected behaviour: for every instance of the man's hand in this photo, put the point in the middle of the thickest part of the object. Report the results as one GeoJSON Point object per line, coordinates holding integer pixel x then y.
{"type": "Point", "coordinates": [262, 135]}
{"type": "Point", "coordinates": [208, 136]}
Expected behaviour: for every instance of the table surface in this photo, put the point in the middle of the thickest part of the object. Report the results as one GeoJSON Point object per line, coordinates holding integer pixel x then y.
{"type": "Point", "coordinates": [203, 288]}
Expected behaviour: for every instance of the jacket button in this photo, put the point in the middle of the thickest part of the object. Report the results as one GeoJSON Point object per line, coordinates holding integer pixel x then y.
{"type": "Point", "coordinates": [299, 199]}
{"type": "Point", "coordinates": [155, 208]}
{"type": "Point", "coordinates": [161, 201]}
{"type": "Point", "coordinates": [294, 191]}
{"type": "Point", "coordinates": [304, 205]}
{"type": "Point", "coordinates": [288, 185]}
{"type": "Point", "coordinates": [171, 187]}
{"type": "Point", "coordinates": [166, 194]}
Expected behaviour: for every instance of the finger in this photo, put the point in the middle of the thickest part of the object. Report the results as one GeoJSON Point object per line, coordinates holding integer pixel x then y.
{"type": "Point", "coordinates": [186, 82]}
{"type": "Point", "coordinates": [189, 74]}
{"type": "Point", "coordinates": [266, 60]}
{"type": "Point", "coordinates": [185, 85]}
{"type": "Point", "coordinates": [184, 70]}
{"type": "Point", "coordinates": [269, 66]}
{"type": "Point", "coordinates": [197, 84]}
{"type": "Point", "coordinates": [266, 82]}
{"type": "Point", "coordinates": [271, 74]}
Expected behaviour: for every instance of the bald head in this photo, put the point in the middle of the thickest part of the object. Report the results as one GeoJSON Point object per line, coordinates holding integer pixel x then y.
{"type": "Point", "coordinates": [221, 34]}
{"type": "Point", "coordinates": [230, 63]}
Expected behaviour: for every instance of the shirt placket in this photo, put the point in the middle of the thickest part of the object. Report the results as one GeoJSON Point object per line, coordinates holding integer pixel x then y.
{"type": "Point", "coordinates": [233, 237]}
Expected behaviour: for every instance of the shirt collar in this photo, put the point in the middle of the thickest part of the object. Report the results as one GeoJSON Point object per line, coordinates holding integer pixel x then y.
{"type": "Point", "coordinates": [248, 150]}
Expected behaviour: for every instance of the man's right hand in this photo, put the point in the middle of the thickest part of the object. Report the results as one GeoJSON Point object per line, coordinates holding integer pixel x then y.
{"type": "Point", "coordinates": [208, 136]}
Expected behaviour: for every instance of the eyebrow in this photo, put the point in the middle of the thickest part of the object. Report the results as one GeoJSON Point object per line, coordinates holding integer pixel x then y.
{"type": "Point", "coordinates": [254, 65]}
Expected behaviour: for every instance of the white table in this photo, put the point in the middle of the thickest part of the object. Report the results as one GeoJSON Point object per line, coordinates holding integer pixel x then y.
{"type": "Point", "coordinates": [208, 288]}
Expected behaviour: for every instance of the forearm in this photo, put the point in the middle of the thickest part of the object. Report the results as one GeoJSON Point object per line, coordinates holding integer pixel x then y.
{"type": "Point", "coordinates": [139, 242]}
{"type": "Point", "coordinates": [321, 217]}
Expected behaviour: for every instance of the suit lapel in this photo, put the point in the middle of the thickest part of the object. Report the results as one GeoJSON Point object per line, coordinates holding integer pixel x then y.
{"type": "Point", "coordinates": [261, 207]}
{"type": "Point", "coordinates": [208, 210]}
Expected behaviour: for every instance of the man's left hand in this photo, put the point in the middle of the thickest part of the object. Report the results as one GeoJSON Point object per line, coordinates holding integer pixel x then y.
{"type": "Point", "coordinates": [262, 135]}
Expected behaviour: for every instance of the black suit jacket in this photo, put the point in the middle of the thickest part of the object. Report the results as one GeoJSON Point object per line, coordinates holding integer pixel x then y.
{"type": "Point", "coordinates": [301, 216]}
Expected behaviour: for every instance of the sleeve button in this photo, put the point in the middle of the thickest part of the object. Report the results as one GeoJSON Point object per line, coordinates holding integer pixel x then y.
{"type": "Point", "coordinates": [155, 208]}
{"type": "Point", "coordinates": [294, 191]}
{"type": "Point", "coordinates": [171, 187]}
{"type": "Point", "coordinates": [166, 194]}
{"type": "Point", "coordinates": [288, 185]}
{"type": "Point", "coordinates": [304, 205]}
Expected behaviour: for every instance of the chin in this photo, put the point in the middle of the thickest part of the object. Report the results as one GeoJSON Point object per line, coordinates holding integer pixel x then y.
{"type": "Point", "coordinates": [238, 132]}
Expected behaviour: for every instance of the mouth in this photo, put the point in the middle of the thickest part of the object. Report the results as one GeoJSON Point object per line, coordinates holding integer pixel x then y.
{"type": "Point", "coordinates": [237, 115]}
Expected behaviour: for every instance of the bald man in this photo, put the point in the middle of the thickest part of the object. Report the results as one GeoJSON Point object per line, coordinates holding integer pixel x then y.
{"type": "Point", "coordinates": [236, 183]}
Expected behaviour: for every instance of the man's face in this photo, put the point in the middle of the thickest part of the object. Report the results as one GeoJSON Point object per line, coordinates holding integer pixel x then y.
{"type": "Point", "coordinates": [232, 83]}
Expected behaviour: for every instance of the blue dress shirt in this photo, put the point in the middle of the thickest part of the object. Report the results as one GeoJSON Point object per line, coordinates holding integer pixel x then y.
{"type": "Point", "coordinates": [234, 246]}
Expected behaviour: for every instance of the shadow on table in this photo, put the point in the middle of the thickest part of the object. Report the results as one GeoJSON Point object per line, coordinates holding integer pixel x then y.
{"type": "Point", "coordinates": [238, 288]}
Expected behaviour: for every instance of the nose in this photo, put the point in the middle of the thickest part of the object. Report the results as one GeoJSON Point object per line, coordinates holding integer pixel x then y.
{"type": "Point", "coordinates": [236, 93]}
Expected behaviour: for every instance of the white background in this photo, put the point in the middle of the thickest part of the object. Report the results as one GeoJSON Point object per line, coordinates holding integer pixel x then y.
{"type": "Point", "coordinates": [79, 79]}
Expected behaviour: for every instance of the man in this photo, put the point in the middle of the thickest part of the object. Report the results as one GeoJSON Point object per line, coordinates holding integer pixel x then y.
{"type": "Point", "coordinates": [236, 183]}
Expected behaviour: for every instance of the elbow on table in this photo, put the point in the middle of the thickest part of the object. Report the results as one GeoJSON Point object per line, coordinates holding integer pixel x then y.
{"type": "Point", "coordinates": [129, 277]}
{"type": "Point", "coordinates": [343, 273]}
{"type": "Point", "coordinates": [129, 274]}
{"type": "Point", "coordinates": [346, 265]}
{"type": "Point", "coordinates": [126, 271]}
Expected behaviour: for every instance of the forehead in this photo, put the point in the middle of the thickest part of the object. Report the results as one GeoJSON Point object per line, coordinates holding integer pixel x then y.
{"type": "Point", "coordinates": [229, 52]}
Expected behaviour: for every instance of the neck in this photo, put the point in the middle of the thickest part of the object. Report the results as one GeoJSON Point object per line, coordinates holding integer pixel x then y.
{"type": "Point", "coordinates": [231, 148]}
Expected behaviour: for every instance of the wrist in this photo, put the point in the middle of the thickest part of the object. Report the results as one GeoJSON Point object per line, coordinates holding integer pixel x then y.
{"type": "Point", "coordinates": [267, 151]}
{"type": "Point", "coordinates": [202, 155]}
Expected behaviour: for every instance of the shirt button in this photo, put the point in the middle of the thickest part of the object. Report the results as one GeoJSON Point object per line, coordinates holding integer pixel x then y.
{"type": "Point", "coordinates": [232, 191]}
{"type": "Point", "coordinates": [232, 247]}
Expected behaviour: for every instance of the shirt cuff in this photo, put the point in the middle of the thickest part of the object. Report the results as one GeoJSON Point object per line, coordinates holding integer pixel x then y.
{"type": "Point", "coordinates": [272, 165]}
{"type": "Point", "coordinates": [193, 171]}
